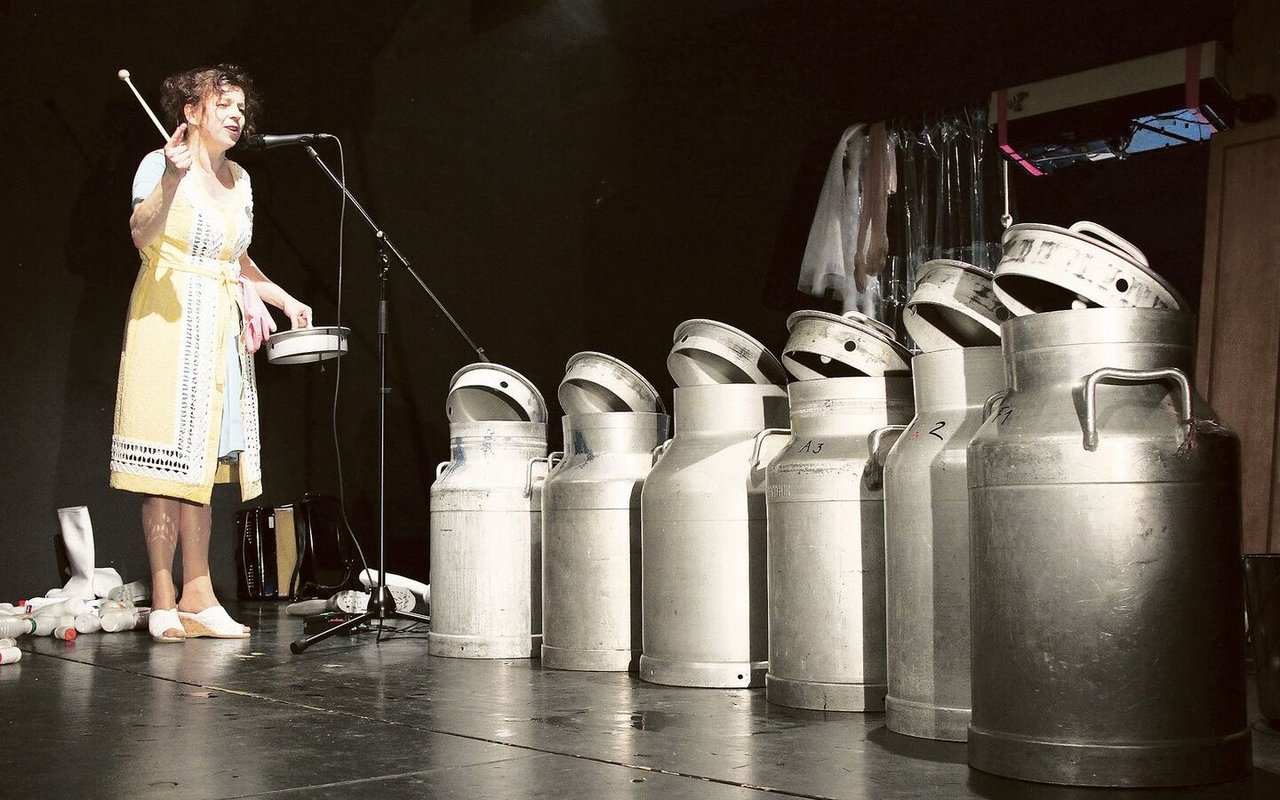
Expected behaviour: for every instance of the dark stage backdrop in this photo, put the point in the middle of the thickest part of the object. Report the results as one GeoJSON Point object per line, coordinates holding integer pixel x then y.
{"type": "Point", "coordinates": [565, 175]}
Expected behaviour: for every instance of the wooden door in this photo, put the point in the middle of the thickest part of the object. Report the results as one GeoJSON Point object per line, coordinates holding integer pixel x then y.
{"type": "Point", "coordinates": [1239, 335]}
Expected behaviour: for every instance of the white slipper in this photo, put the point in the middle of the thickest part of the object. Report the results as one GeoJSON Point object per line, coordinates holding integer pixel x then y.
{"type": "Point", "coordinates": [213, 622]}
{"type": "Point", "coordinates": [161, 621]}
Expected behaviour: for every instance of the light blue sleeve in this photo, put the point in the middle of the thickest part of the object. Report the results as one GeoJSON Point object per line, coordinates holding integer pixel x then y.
{"type": "Point", "coordinates": [148, 175]}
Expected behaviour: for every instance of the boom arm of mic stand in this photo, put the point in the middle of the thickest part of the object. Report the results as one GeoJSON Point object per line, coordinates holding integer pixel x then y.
{"type": "Point", "coordinates": [384, 242]}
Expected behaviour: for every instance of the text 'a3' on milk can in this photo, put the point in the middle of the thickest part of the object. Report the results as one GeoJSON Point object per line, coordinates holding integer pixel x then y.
{"type": "Point", "coordinates": [591, 540]}
{"type": "Point", "coordinates": [486, 518]}
{"type": "Point", "coordinates": [926, 492]}
{"type": "Point", "coordinates": [705, 613]}
{"type": "Point", "coordinates": [826, 545]}
{"type": "Point", "coordinates": [1105, 564]}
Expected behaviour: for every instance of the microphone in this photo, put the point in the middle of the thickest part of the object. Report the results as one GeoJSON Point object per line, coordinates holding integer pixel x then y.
{"type": "Point", "coordinates": [266, 141]}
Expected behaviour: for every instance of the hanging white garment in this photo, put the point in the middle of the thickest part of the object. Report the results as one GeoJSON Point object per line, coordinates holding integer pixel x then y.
{"type": "Point", "coordinates": [848, 242]}
{"type": "Point", "coordinates": [828, 266]}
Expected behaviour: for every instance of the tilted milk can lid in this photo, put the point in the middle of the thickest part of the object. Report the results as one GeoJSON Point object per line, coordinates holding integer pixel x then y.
{"type": "Point", "coordinates": [486, 392]}
{"type": "Point", "coordinates": [705, 351]}
{"type": "Point", "coordinates": [824, 345]}
{"type": "Point", "coordinates": [953, 305]}
{"type": "Point", "coordinates": [596, 382]}
{"type": "Point", "coordinates": [1048, 268]}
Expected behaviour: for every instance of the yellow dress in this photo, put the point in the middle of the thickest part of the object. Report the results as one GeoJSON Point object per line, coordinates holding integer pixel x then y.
{"type": "Point", "coordinates": [169, 400]}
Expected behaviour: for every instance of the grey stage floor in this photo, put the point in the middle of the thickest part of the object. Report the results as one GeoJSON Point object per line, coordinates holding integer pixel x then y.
{"type": "Point", "coordinates": [112, 715]}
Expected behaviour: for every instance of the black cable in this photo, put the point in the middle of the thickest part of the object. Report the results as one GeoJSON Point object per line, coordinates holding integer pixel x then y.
{"type": "Point", "coordinates": [337, 378]}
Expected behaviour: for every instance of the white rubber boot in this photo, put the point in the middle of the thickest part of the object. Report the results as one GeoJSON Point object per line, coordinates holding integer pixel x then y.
{"type": "Point", "coordinates": [77, 537]}
{"type": "Point", "coordinates": [369, 578]}
{"type": "Point", "coordinates": [105, 581]}
{"type": "Point", "coordinates": [86, 582]}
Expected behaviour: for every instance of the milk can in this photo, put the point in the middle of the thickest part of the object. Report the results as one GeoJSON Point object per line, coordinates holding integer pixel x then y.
{"type": "Point", "coordinates": [826, 545]}
{"type": "Point", "coordinates": [705, 613]}
{"type": "Point", "coordinates": [1106, 590]}
{"type": "Point", "coordinates": [591, 540]}
{"type": "Point", "coordinates": [926, 494]}
{"type": "Point", "coordinates": [591, 515]}
{"type": "Point", "coordinates": [486, 519]}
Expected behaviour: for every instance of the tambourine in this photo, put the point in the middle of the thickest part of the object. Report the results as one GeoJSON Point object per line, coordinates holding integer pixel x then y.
{"type": "Point", "coordinates": [307, 345]}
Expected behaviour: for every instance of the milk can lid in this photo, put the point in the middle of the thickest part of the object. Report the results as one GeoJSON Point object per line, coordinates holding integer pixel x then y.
{"type": "Point", "coordinates": [1086, 233]}
{"type": "Point", "coordinates": [487, 392]}
{"type": "Point", "coordinates": [953, 305]}
{"type": "Point", "coordinates": [824, 345]}
{"type": "Point", "coordinates": [595, 382]}
{"type": "Point", "coordinates": [1092, 285]}
{"type": "Point", "coordinates": [705, 351]}
{"type": "Point", "coordinates": [949, 264]}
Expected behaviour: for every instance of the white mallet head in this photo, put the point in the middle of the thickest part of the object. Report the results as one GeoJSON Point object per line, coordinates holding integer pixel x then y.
{"type": "Point", "coordinates": [123, 74]}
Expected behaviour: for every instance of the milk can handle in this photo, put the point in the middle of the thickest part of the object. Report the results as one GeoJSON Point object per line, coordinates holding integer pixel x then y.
{"type": "Point", "coordinates": [1130, 376]}
{"type": "Point", "coordinates": [876, 438]}
{"type": "Point", "coordinates": [993, 401]}
{"type": "Point", "coordinates": [528, 475]}
{"type": "Point", "coordinates": [1112, 238]}
{"type": "Point", "coordinates": [441, 467]}
{"type": "Point", "coordinates": [659, 450]}
{"type": "Point", "coordinates": [873, 472]}
{"type": "Point", "coordinates": [759, 443]}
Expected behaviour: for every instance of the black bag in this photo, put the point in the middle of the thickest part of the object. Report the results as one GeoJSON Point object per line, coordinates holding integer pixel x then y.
{"type": "Point", "coordinates": [328, 560]}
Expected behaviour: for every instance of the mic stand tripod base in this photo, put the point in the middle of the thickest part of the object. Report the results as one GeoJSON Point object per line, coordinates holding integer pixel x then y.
{"type": "Point", "coordinates": [381, 608]}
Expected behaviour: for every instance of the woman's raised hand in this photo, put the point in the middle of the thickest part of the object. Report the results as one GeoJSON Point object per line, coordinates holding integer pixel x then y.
{"type": "Point", "coordinates": [177, 155]}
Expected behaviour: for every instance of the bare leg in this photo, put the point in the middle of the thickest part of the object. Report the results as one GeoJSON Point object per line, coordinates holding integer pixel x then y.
{"type": "Point", "coordinates": [160, 524]}
{"type": "Point", "coordinates": [193, 532]}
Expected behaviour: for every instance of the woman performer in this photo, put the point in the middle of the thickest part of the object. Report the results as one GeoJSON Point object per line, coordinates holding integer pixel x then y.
{"type": "Point", "coordinates": [186, 404]}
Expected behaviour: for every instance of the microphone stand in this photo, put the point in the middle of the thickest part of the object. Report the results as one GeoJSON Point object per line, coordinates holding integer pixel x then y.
{"type": "Point", "coordinates": [382, 606]}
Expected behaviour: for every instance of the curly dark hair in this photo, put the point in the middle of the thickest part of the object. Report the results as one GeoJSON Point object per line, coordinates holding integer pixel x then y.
{"type": "Point", "coordinates": [195, 86]}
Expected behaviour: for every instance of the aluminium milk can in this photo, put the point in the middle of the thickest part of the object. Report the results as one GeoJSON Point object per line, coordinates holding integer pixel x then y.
{"type": "Point", "coordinates": [486, 541]}
{"type": "Point", "coordinates": [826, 545]}
{"type": "Point", "coordinates": [705, 613]}
{"type": "Point", "coordinates": [591, 540]}
{"type": "Point", "coordinates": [926, 492]}
{"type": "Point", "coordinates": [1107, 600]}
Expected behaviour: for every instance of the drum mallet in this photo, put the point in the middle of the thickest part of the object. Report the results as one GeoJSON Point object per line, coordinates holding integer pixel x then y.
{"type": "Point", "coordinates": [124, 76]}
